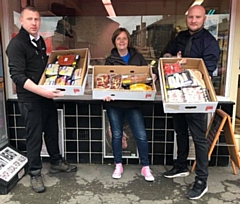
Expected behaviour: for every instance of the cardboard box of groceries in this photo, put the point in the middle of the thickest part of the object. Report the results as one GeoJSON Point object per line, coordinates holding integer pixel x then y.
{"type": "Point", "coordinates": [123, 82]}
{"type": "Point", "coordinates": [186, 86]}
{"type": "Point", "coordinates": [66, 70]}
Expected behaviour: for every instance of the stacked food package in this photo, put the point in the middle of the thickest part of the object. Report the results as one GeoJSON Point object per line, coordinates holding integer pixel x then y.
{"type": "Point", "coordinates": [184, 85]}
{"type": "Point", "coordinates": [133, 82]}
{"type": "Point", "coordinates": [64, 70]}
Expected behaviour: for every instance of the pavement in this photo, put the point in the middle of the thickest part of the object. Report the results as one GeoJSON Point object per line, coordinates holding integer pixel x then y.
{"type": "Point", "coordinates": [92, 184]}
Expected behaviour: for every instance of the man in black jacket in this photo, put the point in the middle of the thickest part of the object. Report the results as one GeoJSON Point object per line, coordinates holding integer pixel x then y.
{"type": "Point", "coordinates": [196, 42]}
{"type": "Point", "coordinates": [27, 60]}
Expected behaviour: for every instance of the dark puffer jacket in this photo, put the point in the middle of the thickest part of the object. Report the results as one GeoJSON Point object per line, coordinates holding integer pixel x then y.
{"type": "Point", "coordinates": [135, 58]}
{"type": "Point", "coordinates": [115, 59]}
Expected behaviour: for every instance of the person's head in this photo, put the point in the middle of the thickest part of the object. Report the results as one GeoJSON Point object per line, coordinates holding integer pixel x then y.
{"type": "Point", "coordinates": [30, 20]}
{"type": "Point", "coordinates": [121, 39]}
{"type": "Point", "coordinates": [195, 18]}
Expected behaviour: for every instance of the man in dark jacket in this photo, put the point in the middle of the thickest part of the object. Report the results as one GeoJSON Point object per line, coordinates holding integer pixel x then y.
{"type": "Point", "coordinates": [27, 60]}
{"type": "Point", "coordinates": [196, 42]}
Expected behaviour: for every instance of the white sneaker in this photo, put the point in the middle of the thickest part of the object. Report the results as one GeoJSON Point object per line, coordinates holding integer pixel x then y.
{"type": "Point", "coordinates": [146, 172]}
{"type": "Point", "coordinates": [118, 171]}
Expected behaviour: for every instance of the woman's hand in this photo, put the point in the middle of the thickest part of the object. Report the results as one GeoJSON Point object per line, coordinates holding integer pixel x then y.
{"type": "Point", "coordinates": [108, 98]}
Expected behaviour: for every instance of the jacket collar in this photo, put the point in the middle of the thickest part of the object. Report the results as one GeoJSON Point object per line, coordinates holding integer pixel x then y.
{"type": "Point", "coordinates": [198, 34]}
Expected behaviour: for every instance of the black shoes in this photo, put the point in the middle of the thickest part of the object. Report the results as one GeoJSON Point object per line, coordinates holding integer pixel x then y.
{"type": "Point", "coordinates": [36, 178]}
{"type": "Point", "coordinates": [199, 187]}
{"type": "Point", "coordinates": [62, 166]}
{"type": "Point", "coordinates": [37, 183]}
{"type": "Point", "coordinates": [198, 190]}
{"type": "Point", "coordinates": [176, 171]}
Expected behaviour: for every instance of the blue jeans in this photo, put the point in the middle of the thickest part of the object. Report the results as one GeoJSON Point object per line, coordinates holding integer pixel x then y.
{"type": "Point", "coordinates": [116, 116]}
{"type": "Point", "coordinates": [197, 124]}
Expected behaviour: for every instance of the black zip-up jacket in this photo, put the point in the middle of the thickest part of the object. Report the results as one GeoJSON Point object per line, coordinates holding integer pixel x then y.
{"type": "Point", "coordinates": [134, 59]}
{"type": "Point", "coordinates": [26, 61]}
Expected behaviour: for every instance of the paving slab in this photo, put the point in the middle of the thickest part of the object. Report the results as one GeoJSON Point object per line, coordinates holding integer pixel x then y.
{"type": "Point", "coordinates": [93, 184]}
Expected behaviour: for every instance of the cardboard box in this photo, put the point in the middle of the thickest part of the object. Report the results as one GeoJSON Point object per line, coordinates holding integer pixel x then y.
{"type": "Point", "coordinates": [122, 94]}
{"type": "Point", "coordinates": [197, 107]}
{"type": "Point", "coordinates": [83, 63]}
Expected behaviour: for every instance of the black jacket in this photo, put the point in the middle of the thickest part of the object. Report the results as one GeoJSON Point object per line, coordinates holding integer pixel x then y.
{"type": "Point", "coordinates": [26, 61]}
{"type": "Point", "coordinates": [204, 46]}
{"type": "Point", "coordinates": [134, 59]}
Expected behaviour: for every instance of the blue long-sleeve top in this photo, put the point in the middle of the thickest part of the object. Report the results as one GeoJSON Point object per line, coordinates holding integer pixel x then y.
{"type": "Point", "coordinates": [204, 46]}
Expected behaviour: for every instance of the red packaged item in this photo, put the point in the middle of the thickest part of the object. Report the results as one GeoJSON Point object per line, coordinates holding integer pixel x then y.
{"type": "Point", "coordinates": [171, 68]}
{"type": "Point", "coordinates": [68, 60]}
{"type": "Point", "coordinates": [103, 81]}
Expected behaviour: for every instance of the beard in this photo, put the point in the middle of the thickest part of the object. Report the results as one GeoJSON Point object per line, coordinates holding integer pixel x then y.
{"type": "Point", "coordinates": [196, 30]}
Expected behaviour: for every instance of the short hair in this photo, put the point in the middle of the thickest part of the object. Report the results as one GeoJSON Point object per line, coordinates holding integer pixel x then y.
{"type": "Point", "coordinates": [117, 32]}
{"type": "Point", "coordinates": [30, 8]}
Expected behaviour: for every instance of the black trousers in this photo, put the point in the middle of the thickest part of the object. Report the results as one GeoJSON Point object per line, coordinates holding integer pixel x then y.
{"type": "Point", "coordinates": [39, 118]}
{"type": "Point", "coordinates": [197, 124]}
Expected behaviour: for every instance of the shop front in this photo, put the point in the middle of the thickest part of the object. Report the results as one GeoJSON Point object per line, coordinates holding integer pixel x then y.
{"type": "Point", "coordinates": [152, 24]}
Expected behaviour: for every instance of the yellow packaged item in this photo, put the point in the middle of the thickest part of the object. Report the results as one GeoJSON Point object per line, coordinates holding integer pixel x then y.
{"type": "Point", "coordinates": [136, 78]}
{"type": "Point", "coordinates": [140, 87]}
{"type": "Point", "coordinates": [50, 80]}
{"type": "Point", "coordinates": [52, 69]}
{"type": "Point", "coordinates": [66, 71]}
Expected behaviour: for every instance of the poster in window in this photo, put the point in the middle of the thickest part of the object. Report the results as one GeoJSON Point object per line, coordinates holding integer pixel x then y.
{"type": "Point", "coordinates": [211, 24]}
{"type": "Point", "coordinates": [129, 147]}
{"type": "Point", "coordinates": [191, 154]}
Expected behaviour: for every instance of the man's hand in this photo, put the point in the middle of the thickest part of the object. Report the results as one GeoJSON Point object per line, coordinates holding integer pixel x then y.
{"type": "Point", "coordinates": [167, 55]}
{"type": "Point", "coordinates": [31, 86]}
{"type": "Point", "coordinates": [51, 93]}
{"type": "Point", "coordinates": [179, 55]}
{"type": "Point", "coordinates": [154, 77]}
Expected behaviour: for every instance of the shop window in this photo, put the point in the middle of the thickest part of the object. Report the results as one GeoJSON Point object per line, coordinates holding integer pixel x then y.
{"type": "Point", "coordinates": [70, 24]}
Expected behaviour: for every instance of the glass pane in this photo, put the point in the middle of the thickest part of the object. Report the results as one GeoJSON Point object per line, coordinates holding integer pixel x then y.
{"type": "Point", "coordinates": [3, 128]}
{"type": "Point", "coordinates": [71, 24]}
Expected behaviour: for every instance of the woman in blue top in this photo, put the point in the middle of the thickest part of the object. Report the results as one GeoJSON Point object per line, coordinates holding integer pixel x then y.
{"type": "Point", "coordinates": [117, 111]}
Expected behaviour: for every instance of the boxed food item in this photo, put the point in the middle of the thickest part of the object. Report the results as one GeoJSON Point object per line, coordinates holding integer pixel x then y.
{"type": "Point", "coordinates": [186, 86]}
{"type": "Point", "coordinates": [67, 70]}
{"type": "Point", "coordinates": [123, 82]}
